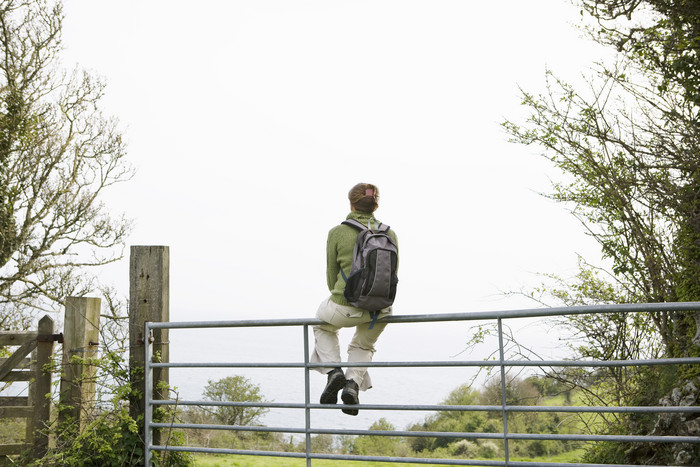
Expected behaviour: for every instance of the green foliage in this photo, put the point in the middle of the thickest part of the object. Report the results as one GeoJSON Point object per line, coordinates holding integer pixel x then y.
{"type": "Point", "coordinates": [379, 445]}
{"type": "Point", "coordinates": [235, 389]}
{"type": "Point", "coordinates": [466, 449]}
{"type": "Point", "coordinates": [108, 435]}
{"type": "Point", "coordinates": [665, 37]}
{"type": "Point", "coordinates": [530, 391]}
{"type": "Point", "coordinates": [224, 439]}
{"type": "Point", "coordinates": [222, 460]}
{"type": "Point", "coordinates": [462, 395]}
{"type": "Point", "coordinates": [58, 154]}
{"type": "Point", "coordinates": [111, 439]}
{"type": "Point", "coordinates": [626, 145]}
{"type": "Point", "coordinates": [518, 392]}
{"type": "Point", "coordinates": [627, 150]}
{"type": "Point", "coordinates": [390, 445]}
{"type": "Point", "coordinates": [322, 443]}
{"type": "Point", "coordinates": [550, 387]}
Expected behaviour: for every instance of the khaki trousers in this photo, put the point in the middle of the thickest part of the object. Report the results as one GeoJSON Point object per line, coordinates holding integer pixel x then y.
{"type": "Point", "coordinates": [361, 348]}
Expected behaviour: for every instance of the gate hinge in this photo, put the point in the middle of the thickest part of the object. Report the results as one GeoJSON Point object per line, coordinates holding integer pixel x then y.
{"type": "Point", "coordinates": [140, 341]}
{"type": "Point", "coordinates": [50, 338]}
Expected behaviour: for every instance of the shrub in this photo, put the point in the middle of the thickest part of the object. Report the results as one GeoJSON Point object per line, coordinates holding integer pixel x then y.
{"type": "Point", "coordinates": [489, 449]}
{"type": "Point", "coordinates": [379, 445]}
{"type": "Point", "coordinates": [464, 448]}
{"type": "Point", "coordinates": [112, 438]}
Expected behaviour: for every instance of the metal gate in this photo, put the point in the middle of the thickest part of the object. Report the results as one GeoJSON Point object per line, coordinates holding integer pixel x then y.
{"type": "Point", "coordinates": [501, 364]}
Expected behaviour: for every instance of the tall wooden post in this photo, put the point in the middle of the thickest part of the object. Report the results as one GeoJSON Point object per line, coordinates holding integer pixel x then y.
{"type": "Point", "coordinates": [149, 300]}
{"type": "Point", "coordinates": [80, 344]}
{"type": "Point", "coordinates": [41, 387]}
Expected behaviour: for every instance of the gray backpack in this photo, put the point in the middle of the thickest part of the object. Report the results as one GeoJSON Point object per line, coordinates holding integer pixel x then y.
{"type": "Point", "coordinates": [372, 281]}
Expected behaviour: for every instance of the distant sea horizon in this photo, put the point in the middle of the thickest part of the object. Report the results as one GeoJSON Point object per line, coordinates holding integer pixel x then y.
{"type": "Point", "coordinates": [392, 385]}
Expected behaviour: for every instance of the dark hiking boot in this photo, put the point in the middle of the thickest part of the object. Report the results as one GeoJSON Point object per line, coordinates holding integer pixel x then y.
{"type": "Point", "coordinates": [336, 381]}
{"type": "Point", "coordinates": [351, 396]}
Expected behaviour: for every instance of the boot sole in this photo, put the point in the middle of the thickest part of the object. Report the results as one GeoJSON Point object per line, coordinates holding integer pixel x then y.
{"type": "Point", "coordinates": [349, 399]}
{"type": "Point", "coordinates": [330, 393]}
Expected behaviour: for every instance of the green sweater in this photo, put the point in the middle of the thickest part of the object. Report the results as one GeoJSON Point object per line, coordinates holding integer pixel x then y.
{"type": "Point", "coordinates": [339, 248]}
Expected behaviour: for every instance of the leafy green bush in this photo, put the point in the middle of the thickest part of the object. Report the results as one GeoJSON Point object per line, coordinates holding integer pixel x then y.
{"type": "Point", "coordinates": [235, 389]}
{"type": "Point", "coordinates": [108, 435]}
{"type": "Point", "coordinates": [489, 449]}
{"type": "Point", "coordinates": [464, 448]}
{"type": "Point", "coordinates": [110, 439]}
{"type": "Point", "coordinates": [521, 392]}
{"type": "Point", "coordinates": [380, 445]}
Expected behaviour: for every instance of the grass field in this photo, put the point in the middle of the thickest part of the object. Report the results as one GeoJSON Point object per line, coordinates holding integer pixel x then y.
{"type": "Point", "coordinates": [205, 460]}
{"type": "Point", "coordinates": [251, 461]}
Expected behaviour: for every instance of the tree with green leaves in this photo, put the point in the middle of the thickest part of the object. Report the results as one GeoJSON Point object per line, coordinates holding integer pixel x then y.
{"type": "Point", "coordinates": [662, 35]}
{"type": "Point", "coordinates": [628, 147]}
{"type": "Point", "coordinates": [235, 389]}
{"type": "Point", "coordinates": [372, 445]}
{"type": "Point", "coordinates": [58, 152]}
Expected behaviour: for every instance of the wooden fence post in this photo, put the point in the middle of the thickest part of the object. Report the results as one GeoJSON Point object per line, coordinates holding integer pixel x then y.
{"type": "Point", "coordinates": [149, 300]}
{"type": "Point", "coordinates": [80, 339]}
{"type": "Point", "coordinates": [41, 387]}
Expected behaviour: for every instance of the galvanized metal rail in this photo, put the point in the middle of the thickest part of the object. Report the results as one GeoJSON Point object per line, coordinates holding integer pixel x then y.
{"type": "Point", "coordinates": [501, 363]}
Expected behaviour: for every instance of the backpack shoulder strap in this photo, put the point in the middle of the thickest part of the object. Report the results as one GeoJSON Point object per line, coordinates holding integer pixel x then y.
{"type": "Point", "coordinates": [359, 226]}
{"type": "Point", "coordinates": [355, 224]}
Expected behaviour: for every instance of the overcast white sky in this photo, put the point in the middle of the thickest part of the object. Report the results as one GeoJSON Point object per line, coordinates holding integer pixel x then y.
{"type": "Point", "coordinates": [248, 121]}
